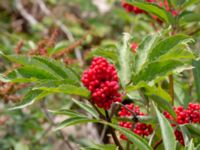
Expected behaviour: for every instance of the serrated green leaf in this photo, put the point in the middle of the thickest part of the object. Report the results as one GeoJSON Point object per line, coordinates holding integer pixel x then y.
{"type": "Point", "coordinates": [66, 89]}
{"type": "Point", "coordinates": [138, 141]}
{"type": "Point", "coordinates": [156, 69]}
{"type": "Point", "coordinates": [178, 53]}
{"type": "Point", "coordinates": [167, 132]}
{"type": "Point", "coordinates": [107, 53]}
{"type": "Point", "coordinates": [87, 108]}
{"type": "Point", "coordinates": [143, 51]}
{"type": "Point", "coordinates": [29, 73]}
{"type": "Point", "coordinates": [55, 68]}
{"type": "Point", "coordinates": [166, 45]}
{"type": "Point", "coordinates": [30, 98]}
{"type": "Point", "coordinates": [73, 121]}
{"type": "Point", "coordinates": [164, 104]}
{"type": "Point", "coordinates": [154, 9]}
{"type": "Point", "coordinates": [125, 60]}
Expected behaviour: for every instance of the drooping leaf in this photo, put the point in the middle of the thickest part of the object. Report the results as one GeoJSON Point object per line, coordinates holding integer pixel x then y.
{"type": "Point", "coordinates": [167, 133]}
{"type": "Point", "coordinates": [73, 121]}
{"type": "Point", "coordinates": [30, 98]}
{"type": "Point", "coordinates": [87, 108]}
{"type": "Point", "coordinates": [66, 112]}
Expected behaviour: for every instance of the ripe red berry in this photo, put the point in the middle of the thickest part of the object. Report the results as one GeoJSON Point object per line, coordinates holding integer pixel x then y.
{"type": "Point", "coordinates": [183, 116]}
{"type": "Point", "coordinates": [134, 47]}
{"type": "Point", "coordinates": [139, 128]}
{"type": "Point", "coordinates": [102, 80]}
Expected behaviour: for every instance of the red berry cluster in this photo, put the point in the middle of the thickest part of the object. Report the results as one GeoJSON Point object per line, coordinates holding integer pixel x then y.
{"type": "Point", "coordinates": [139, 128]}
{"type": "Point", "coordinates": [134, 47]}
{"type": "Point", "coordinates": [137, 10]}
{"type": "Point", "coordinates": [183, 116]}
{"type": "Point", "coordinates": [102, 80]}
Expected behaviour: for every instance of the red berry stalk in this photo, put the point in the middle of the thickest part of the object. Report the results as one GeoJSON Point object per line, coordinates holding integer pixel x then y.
{"type": "Point", "coordinates": [102, 81]}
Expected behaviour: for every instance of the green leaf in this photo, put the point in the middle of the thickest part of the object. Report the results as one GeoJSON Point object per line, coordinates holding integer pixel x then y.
{"type": "Point", "coordinates": [138, 141]}
{"type": "Point", "coordinates": [125, 60]}
{"type": "Point", "coordinates": [100, 147]}
{"type": "Point", "coordinates": [194, 129]}
{"type": "Point", "coordinates": [190, 146]}
{"type": "Point", "coordinates": [66, 89]}
{"type": "Point", "coordinates": [143, 51]}
{"type": "Point", "coordinates": [196, 74]}
{"type": "Point", "coordinates": [154, 9]}
{"type": "Point", "coordinates": [30, 98]}
{"type": "Point", "coordinates": [189, 3]}
{"type": "Point", "coordinates": [73, 121]}
{"type": "Point", "coordinates": [186, 134]}
{"type": "Point", "coordinates": [189, 17]}
{"type": "Point", "coordinates": [166, 45]}
{"type": "Point", "coordinates": [107, 53]}
{"type": "Point", "coordinates": [28, 74]}
{"type": "Point", "coordinates": [67, 112]}
{"type": "Point", "coordinates": [164, 104]}
{"type": "Point", "coordinates": [55, 68]}
{"type": "Point", "coordinates": [156, 69]}
{"type": "Point", "coordinates": [179, 52]}
{"type": "Point", "coordinates": [87, 108]}
{"type": "Point", "coordinates": [167, 133]}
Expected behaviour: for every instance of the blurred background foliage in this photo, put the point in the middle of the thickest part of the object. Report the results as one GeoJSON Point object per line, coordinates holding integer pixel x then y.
{"type": "Point", "coordinates": [82, 26]}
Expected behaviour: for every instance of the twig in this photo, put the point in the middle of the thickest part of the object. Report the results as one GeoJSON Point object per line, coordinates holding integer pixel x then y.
{"type": "Point", "coordinates": [112, 130]}
{"type": "Point", "coordinates": [103, 132]}
{"type": "Point", "coordinates": [157, 144]}
{"type": "Point", "coordinates": [132, 112]}
{"type": "Point", "coordinates": [50, 119]}
{"type": "Point", "coordinates": [63, 27]}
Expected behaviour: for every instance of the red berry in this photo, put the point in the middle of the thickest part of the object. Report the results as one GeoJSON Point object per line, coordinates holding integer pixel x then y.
{"type": "Point", "coordinates": [183, 116]}
{"type": "Point", "coordinates": [134, 47]}
{"type": "Point", "coordinates": [102, 80]}
{"type": "Point", "coordinates": [139, 128]}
